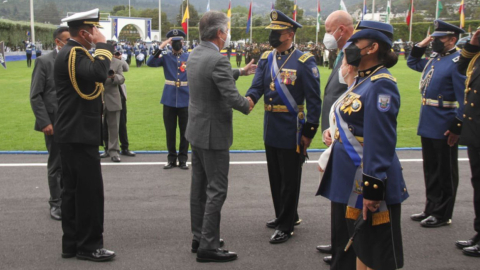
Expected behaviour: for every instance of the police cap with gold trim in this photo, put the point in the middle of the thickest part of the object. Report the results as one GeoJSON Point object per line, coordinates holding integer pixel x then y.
{"type": "Point", "coordinates": [176, 34]}
{"type": "Point", "coordinates": [281, 21]}
{"type": "Point", "coordinates": [373, 30]}
{"type": "Point", "coordinates": [443, 29]}
{"type": "Point", "coordinates": [91, 17]}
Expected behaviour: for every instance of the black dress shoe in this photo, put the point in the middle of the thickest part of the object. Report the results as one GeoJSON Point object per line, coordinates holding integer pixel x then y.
{"type": "Point", "coordinates": [461, 244]}
{"type": "Point", "coordinates": [170, 165]}
{"type": "Point", "coordinates": [272, 224]}
{"type": "Point", "coordinates": [433, 222]}
{"type": "Point", "coordinates": [99, 255]}
{"type": "Point", "coordinates": [216, 255]}
{"type": "Point", "coordinates": [325, 249]}
{"type": "Point", "coordinates": [68, 255]}
{"type": "Point", "coordinates": [473, 251]}
{"type": "Point", "coordinates": [279, 237]}
{"type": "Point", "coordinates": [127, 153]}
{"type": "Point", "coordinates": [419, 217]}
{"type": "Point", "coordinates": [104, 155]}
{"type": "Point", "coordinates": [183, 165]}
{"type": "Point", "coordinates": [327, 259]}
{"type": "Point", "coordinates": [196, 244]}
{"type": "Point", "coordinates": [116, 159]}
{"type": "Point", "coordinates": [56, 213]}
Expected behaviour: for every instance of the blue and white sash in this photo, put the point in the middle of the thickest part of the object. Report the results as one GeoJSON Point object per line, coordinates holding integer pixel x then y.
{"type": "Point", "coordinates": [286, 97]}
{"type": "Point", "coordinates": [355, 151]}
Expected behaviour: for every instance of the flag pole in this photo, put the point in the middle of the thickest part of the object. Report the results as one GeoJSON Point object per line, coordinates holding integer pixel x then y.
{"type": "Point", "coordinates": [251, 23]}
{"type": "Point", "coordinates": [159, 20]}
{"type": "Point", "coordinates": [411, 22]}
{"type": "Point", "coordinates": [436, 11]}
{"type": "Point", "coordinates": [373, 10]}
{"type": "Point", "coordinates": [32, 26]}
{"type": "Point", "coordinates": [318, 28]}
{"type": "Point", "coordinates": [188, 32]}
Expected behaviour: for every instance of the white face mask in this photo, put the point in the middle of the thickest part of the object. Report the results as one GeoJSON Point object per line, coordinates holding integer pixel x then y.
{"type": "Point", "coordinates": [91, 44]}
{"type": "Point", "coordinates": [330, 41]}
{"type": "Point", "coordinates": [341, 77]}
{"type": "Point", "coordinates": [227, 41]}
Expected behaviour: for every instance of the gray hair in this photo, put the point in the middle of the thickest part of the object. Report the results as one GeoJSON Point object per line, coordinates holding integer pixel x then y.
{"type": "Point", "coordinates": [210, 23]}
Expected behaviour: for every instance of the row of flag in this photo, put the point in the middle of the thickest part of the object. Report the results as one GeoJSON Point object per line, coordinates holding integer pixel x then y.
{"type": "Point", "coordinates": [408, 19]}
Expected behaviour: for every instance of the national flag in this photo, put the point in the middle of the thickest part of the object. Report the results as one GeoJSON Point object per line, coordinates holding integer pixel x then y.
{"type": "Point", "coordinates": [411, 10]}
{"type": "Point", "coordinates": [208, 6]}
{"type": "Point", "coordinates": [389, 9]}
{"type": "Point", "coordinates": [186, 16]}
{"type": "Point", "coordinates": [249, 21]}
{"type": "Point", "coordinates": [28, 33]}
{"type": "Point", "coordinates": [461, 11]}
{"type": "Point", "coordinates": [364, 10]}
{"type": "Point", "coordinates": [2, 55]}
{"type": "Point", "coordinates": [318, 15]}
{"type": "Point", "coordinates": [229, 14]}
{"type": "Point", "coordinates": [342, 6]}
{"type": "Point", "coordinates": [294, 17]}
{"type": "Point", "coordinates": [440, 8]}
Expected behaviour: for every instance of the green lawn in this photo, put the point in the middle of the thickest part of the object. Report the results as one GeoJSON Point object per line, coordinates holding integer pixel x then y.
{"type": "Point", "coordinates": [145, 124]}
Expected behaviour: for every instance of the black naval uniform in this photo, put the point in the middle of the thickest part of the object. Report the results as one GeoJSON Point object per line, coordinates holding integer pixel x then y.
{"type": "Point", "coordinates": [471, 122]}
{"type": "Point", "coordinates": [78, 130]}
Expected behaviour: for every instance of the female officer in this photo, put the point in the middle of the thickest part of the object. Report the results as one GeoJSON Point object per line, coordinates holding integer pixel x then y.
{"type": "Point", "coordinates": [363, 170]}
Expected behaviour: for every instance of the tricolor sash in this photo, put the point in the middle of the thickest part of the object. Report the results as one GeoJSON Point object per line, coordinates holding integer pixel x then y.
{"type": "Point", "coordinates": [355, 152]}
{"type": "Point", "coordinates": [286, 97]}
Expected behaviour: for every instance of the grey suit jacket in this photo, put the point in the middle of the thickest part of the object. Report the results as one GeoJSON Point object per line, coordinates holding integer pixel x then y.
{"type": "Point", "coordinates": [123, 87]}
{"type": "Point", "coordinates": [333, 90]}
{"type": "Point", "coordinates": [112, 98]}
{"type": "Point", "coordinates": [213, 94]}
{"type": "Point", "coordinates": [43, 96]}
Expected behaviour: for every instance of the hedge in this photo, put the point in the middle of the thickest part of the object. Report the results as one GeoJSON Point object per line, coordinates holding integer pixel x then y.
{"type": "Point", "coordinates": [13, 33]}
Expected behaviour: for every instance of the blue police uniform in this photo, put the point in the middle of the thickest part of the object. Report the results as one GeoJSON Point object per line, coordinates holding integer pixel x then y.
{"type": "Point", "coordinates": [442, 88]}
{"type": "Point", "coordinates": [29, 49]}
{"type": "Point", "coordinates": [175, 98]}
{"type": "Point", "coordinates": [297, 74]}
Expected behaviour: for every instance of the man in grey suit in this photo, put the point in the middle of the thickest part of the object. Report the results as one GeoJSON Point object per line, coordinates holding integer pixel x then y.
{"type": "Point", "coordinates": [213, 95]}
{"type": "Point", "coordinates": [113, 108]}
{"type": "Point", "coordinates": [43, 99]}
{"type": "Point", "coordinates": [338, 29]}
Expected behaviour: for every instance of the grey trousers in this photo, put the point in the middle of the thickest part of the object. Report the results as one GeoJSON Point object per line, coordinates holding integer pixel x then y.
{"type": "Point", "coordinates": [54, 171]}
{"type": "Point", "coordinates": [113, 123]}
{"type": "Point", "coordinates": [208, 193]}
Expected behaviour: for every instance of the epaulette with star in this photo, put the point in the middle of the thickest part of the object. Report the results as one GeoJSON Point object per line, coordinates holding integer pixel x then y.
{"type": "Point", "coordinates": [265, 55]}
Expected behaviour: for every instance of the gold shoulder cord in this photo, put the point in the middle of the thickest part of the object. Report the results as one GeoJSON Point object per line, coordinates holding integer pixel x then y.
{"type": "Point", "coordinates": [71, 71]}
{"type": "Point", "coordinates": [469, 74]}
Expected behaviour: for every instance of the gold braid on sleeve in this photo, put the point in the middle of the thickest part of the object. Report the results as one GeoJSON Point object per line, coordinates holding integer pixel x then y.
{"type": "Point", "coordinates": [471, 65]}
{"type": "Point", "coordinates": [71, 72]}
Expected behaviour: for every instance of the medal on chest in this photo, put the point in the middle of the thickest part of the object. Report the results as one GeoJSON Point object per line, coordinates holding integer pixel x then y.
{"type": "Point", "coordinates": [183, 66]}
{"type": "Point", "coordinates": [351, 103]}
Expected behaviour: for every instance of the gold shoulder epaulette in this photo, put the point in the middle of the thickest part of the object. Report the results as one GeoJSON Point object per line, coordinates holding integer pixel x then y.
{"type": "Point", "coordinates": [102, 52]}
{"type": "Point", "coordinates": [265, 55]}
{"type": "Point", "coordinates": [304, 57]}
{"type": "Point", "coordinates": [383, 75]}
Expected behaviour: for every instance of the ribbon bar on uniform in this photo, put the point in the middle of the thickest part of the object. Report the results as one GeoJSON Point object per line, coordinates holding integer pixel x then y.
{"type": "Point", "coordinates": [435, 103]}
{"type": "Point", "coordinates": [280, 108]}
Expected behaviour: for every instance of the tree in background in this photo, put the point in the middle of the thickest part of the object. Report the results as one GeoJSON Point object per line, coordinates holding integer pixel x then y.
{"type": "Point", "coordinates": [48, 13]}
{"type": "Point", "coordinates": [286, 6]}
{"type": "Point", "coordinates": [194, 18]}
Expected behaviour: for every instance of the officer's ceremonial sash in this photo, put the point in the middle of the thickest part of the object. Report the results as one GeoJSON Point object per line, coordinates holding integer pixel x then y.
{"type": "Point", "coordinates": [286, 97]}
{"type": "Point", "coordinates": [355, 152]}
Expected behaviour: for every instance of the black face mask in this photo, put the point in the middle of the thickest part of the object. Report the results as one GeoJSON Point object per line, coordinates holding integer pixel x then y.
{"type": "Point", "coordinates": [274, 39]}
{"type": "Point", "coordinates": [177, 45]}
{"type": "Point", "coordinates": [353, 54]}
{"type": "Point", "coordinates": [438, 46]}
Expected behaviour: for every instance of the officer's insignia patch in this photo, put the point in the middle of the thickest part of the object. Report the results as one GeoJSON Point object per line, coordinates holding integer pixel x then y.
{"type": "Point", "coordinates": [304, 57]}
{"type": "Point", "coordinates": [315, 72]}
{"type": "Point", "coordinates": [456, 59]}
{"type": "Point", "coordinates": [274, 15]}
{"type": "Point", "coordinates": [164, 52]}
{"type": "Point", "coordinates": [288, 76]}
{"type": "Point", "coordinates": [183, 66]}
{"type": "Point", "coordinates": [101, 58]}
{"type": "Point", "coordinates": [384, 102]}
{"type": "Point", "coordinates": [175, 32]}
{"type": "Point", "coordinates": [356, 105]}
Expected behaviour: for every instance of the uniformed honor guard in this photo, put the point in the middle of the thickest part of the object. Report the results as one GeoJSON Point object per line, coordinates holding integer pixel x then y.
{"type": "Point", "coordinates": [29, 48]}
{"type": "Point", "coordinates": [79, 81]}
{"type": "Point", "coordinates": [286, 77]}
{"type": "Point", "coordinates": [175, 95]}
{"type": "Point", "coordinates": [440, 123]}
{"type": "Point", "coordinates": [363, 156]}
{"type": "Point", "coordinates": [469, 64]}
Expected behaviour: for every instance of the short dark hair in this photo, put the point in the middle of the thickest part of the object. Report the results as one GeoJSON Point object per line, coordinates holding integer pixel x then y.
{"type": "Point", "coordinates": [59, 31]}
{"type": "Point", "coordinates": [75, 30]}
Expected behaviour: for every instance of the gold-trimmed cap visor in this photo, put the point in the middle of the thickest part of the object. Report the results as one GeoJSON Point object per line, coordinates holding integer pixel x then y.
{"type": "Point", "coordinates": [278, 25]}
{"type": "Point", "coordinates": [91, 17]}
{"type": "Point", "coordinates": [280, 21]}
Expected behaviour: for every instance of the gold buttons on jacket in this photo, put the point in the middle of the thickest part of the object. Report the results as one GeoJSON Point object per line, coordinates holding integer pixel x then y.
{"type": "Point", "coordinates": [312, 128]}
{"type": "Point", "coordinates": [366, 183]}
{"type": "Point", "coordinates": [459, 124]}
{"type": "Point", "coordinates": [471, 104]}
{"type": "Point", "coordinates": [464, 116]}
{"type": "Point", "coordinates": [469, 118]}
{"type": "Point", "coordinates": [404, 189]}
{"type": "Point", "coordinates": [475, 91]}
{"type": "Point", "coordinates": [375, 186]}
{"type": "Point", "coordinates": [271, 99]}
